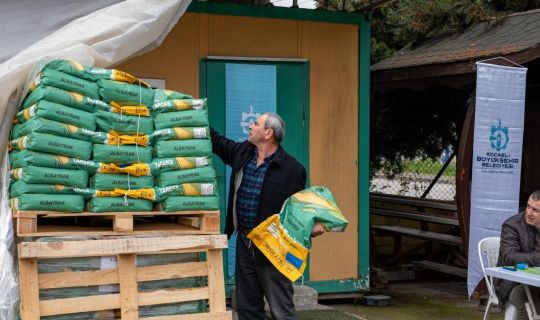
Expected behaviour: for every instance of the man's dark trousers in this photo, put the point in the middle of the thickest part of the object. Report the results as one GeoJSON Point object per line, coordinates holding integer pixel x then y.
{"type": "Point", "coordinates": [253, 280]}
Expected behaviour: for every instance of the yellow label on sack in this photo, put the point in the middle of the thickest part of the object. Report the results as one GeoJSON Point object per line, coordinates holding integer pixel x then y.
{"type": "Point", "coordinates": [181, 105]}
{"type": "Point", "coordinates": [183, 134]}
{"type": "Point", "coordinates": [70, 128]}
{"type": "Point", "coordinates": [141, 140]}
{"type": "Point", "coordinates": [14, 203]}
{"type": "Point", "coordinates": [135, 110]}
{"type": "Point", "coordinates": [34, 84]}
{"type": "Point", "coordinates": [148, 193]}
{"type": "Point", "coordinates": [184, 163]}
{"type": "Point", "coordinates": [107, 193]}
{"type": "Point", "coordinates": [19, 144]}
{"type": "Point", "coordinates": [27, 113]}
{"type": "Point", "coordinates": [77, 97]}
{"type": "Point", "coordinates": [191, 190]}
{"type": "Point", "coordinates": [59, 187]}
{"type": "Point", "coordinates": [109, 168]}
{"type": "Point", "coordinates": [17, 174]}
{"type": "Point", "coordinates": [287, 255]}
{"type": "Point", "coordinates": [76, 65]}
{"type": "Point", "coordinates": [310, 197]}
{"type": "Point", "coordinates": [137, 169]}
{"type": "Point", "coordinates": [61, 160]}
{"type": "Point", "coordinates": [118, 75]}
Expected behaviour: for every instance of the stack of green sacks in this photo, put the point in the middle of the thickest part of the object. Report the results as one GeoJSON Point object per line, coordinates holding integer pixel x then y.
{"type": "Point", "coordinates": [53, 126]}
{"type": "Point", "coordinates": [87, 133]}
{"type": "Point", "coordinates": [51, 150]}
{"type": "Point", "coordinates": [182, 151]}
{"type": "Point", "coordinates": [128, 119]}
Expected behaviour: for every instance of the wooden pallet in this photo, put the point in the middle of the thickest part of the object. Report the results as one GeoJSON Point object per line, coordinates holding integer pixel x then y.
{"type": "Point", "coordinates": [127, 275]}
{"type": "Point", "coordinates": [53, 223]}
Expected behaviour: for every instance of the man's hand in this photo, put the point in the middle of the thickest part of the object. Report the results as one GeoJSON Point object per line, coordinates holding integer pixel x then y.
{"type": "Point", "coordinates": [318, 229]}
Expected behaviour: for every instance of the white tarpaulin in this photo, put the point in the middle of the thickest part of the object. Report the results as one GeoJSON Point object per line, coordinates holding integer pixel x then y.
{"type": "Point", "coordinates": [98, 33]}
{"type": "Point", "coordinates": [496, 163]}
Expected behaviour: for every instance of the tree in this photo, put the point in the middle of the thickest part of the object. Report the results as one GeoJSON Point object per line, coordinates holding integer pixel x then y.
{"type": "Point", "coordinates": [401, 23]}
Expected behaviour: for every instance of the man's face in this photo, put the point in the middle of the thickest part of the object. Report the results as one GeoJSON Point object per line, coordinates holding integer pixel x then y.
{"type": "Point", "coordinates": [532, 214]}
{"type": "Point", "coordinates": [257, 132]}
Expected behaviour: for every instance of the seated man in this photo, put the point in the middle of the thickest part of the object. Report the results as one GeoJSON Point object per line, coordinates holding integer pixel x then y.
{"type": "Point", "coordinates": [520, 242]}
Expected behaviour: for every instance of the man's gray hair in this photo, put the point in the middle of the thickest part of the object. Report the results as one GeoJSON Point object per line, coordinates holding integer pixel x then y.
{"type": "Point", "coordinates": [535, 195]}
{"type": "Point", "coordinates": [276, 123]}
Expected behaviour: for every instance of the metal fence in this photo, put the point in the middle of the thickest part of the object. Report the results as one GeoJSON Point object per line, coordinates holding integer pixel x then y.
{"type": "Point", "coordinates": [417, 178]}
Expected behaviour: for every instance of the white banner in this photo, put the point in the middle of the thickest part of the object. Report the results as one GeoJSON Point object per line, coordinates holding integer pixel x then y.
{"type": "Point", "coordinates": [496, 163]}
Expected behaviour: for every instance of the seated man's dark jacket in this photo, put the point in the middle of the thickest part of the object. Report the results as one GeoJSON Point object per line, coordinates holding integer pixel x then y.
{"type": "Point", "coordinates": [517, 245]}
{"type": "Point", "coordinates": [284, 176]}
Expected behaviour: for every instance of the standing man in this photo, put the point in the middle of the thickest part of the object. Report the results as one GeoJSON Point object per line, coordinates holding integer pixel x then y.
{"type": "Point", "coordinates": [263, 176]}
{"type": "Point", "coordinates": [520, 242]}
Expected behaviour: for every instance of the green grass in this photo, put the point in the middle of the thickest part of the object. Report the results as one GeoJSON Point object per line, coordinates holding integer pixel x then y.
{"type": "Point", "coordinates": [428, 166]}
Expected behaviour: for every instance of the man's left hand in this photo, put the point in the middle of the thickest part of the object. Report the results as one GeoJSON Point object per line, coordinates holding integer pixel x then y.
{"type": "Point", "coordinates": [318, 229]}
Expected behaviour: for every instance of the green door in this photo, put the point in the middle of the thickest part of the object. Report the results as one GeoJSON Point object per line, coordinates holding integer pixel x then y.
{"type": "Point", "coordinates": [282, 87]}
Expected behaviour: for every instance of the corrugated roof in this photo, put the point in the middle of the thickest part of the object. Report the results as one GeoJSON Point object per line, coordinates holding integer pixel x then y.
{"type": "Point", "coordinates": [515, 33]}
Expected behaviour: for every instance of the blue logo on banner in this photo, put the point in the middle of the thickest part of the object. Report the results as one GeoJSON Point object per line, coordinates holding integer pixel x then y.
{"type": "Point", "coordinates": [499, 137]}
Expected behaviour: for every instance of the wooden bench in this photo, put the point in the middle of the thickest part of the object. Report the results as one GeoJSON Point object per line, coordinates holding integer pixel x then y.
{"type": "Point", "coordinates": [425, 212]}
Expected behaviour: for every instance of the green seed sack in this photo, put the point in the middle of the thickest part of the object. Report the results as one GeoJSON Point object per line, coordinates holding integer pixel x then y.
{"type": "Point", "coordinates": [178, 203]}
{"type": "Point", "coordinates": [58, 112]}
{"type": "Point", "coordinates": [161, 193]}
{"type": "Point", "coordinates": [178, 163]}
{"type": "Point", "coordinates": [122, 92]}
{"type": "Point", "coordinates": [20, 187]}
{"type": "Point", "coordinates": [178, 105]}
{"type": "Point", "coordinates": [48, 202]}
{"type": "Point", "coordinates": [48, 143]}
{"type": "Point", "coordinates": [89, 73]}
{"type": "Point", "coordinates": [42, 175]}
{"type": "Point", "coordinates": [184, 133]}
{"type": "Point", "coordinates": [196, 189]}
{"type": "Point", "coordinates": [122, 154]}
{"type": "Point", "coordinates": [190, 118]}
{"type": "Point", "coordinates": [119, 204]}
{"type": "Point", "coordinates": [42, 125]}
{"type": "Point", "coordinates": [67, 98]}
{"type": "Point", "coordinates": [122, 181]}
{"type": "Point", "coordinates": [164, 94]}
{"type": "Point", "coordinates": [25, 158]}
{"type": "Point", "coordinates": [183, 148]}
{"type": "Point", "coordinates": [57, 79]}
{"type": "Point", "coordinates": [169, 178]}
{"type": "Point", "coordinates": [122, 124]}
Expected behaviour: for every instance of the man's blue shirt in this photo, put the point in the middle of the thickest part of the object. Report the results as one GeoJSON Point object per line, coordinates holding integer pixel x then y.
{"type": "Point", "coordinates": [249, 193]}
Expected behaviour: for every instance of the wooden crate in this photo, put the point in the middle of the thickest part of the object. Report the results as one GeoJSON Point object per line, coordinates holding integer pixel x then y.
{"type": "Point", "coordinates": [53, 223]}
{"type": "Point", "coordinates": [127, 275]}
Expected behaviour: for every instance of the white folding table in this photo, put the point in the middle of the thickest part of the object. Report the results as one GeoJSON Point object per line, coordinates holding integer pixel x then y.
{"type": "Point", "coordinates": [520, 276]}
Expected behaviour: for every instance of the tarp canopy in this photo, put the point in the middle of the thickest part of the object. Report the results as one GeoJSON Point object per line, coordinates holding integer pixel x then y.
{"type": "Point", "coordinates": [99, 33]}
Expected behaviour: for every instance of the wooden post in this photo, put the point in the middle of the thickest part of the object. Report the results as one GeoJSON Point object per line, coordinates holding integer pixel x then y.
{"type": "Point", "coordinates": [26, 225]}
{"type": "Point", "coordinates": [28, 278]}
{"type": "Point", "coordinates": [127, 276]}
{"type": "Point", "coordinates": [123, 223]}
{"type": "Point", "coordinates": [210, 222]}
{"type": "Point", "coordinates": [216, 282]}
